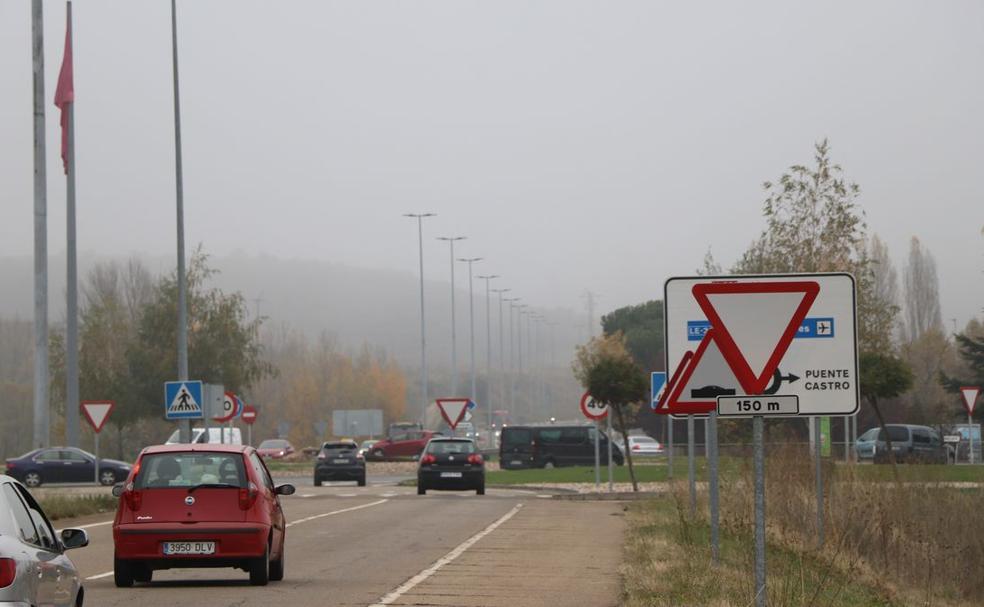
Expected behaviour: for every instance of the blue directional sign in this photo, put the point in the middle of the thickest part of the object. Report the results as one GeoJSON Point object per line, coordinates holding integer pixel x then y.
{"type": "Point", "coordinates": [657, 383]}
{"type": "Point", "coordinates": [471, 404]}
{"type": "Point", "coordinates": [810, 328]}
{"type": "Point", "coordinates": [183, 400]}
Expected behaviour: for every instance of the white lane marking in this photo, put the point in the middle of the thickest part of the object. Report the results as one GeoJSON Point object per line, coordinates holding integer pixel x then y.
{"type": "Point", "coordinates": [388, 494]}
{"type": "Point", "coordinates": [334, 512]}
{"type": "Point", "coordinates": [444, 560]}
{"type": "Point", "coordinates": [91, 525]}
{"type": "Point", "coordinates": [308, 495]}
{"type": "Point", "coordinates": [544, 497]}
{"type": "Point", "coordinates": [297, 522]}
{"type": "Point", "coordinates": [348, 495]}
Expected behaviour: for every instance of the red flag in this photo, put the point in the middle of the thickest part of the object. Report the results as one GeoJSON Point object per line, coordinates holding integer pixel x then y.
{"type": "Point", "coordinates": [65, 93]}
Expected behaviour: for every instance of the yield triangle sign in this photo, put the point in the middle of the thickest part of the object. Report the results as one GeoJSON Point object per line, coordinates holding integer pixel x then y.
{"type": "Point", "coordinates": [754, 323]}
{"type": "Point", "coordinates": [453, 410]}
{"type": "Point", "coordinates": [97, 412]}
{"type": "Point", "coordinates": [970, 397]}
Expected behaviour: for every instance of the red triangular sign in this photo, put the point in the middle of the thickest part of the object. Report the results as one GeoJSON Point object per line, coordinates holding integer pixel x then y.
{"type": "Point", "coordinates": [754, 324]}
{"type": "Point", "coordinates": [701, 377]}
{"type": "Point", "coordinates": [453, 410]}
{"type": "Point", "coordinates": [970, 398]}
{"type": "Point", "coordinates": [97, 412]}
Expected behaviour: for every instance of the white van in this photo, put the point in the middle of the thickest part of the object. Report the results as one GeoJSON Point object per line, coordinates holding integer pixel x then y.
{"type": "Point", "coordinates": [229, 436]}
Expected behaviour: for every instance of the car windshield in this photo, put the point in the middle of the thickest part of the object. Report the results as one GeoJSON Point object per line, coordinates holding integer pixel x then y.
{"type": "Point", "coordinates": [450, 447]}
{"type": "Point", "coordinates": [338, 447]}
{"type": "Point", "coordinates": [367, 444]}
{"type": "Point", "coordinates": [273, 443]}
{"type": "Point", "coordinates": [870, 434]}
{"type": "Point", "coordinates": [187, 469]}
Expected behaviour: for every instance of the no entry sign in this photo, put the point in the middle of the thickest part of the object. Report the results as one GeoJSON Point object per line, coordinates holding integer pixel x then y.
{"type": "Point", "coordinates": [792, 336]}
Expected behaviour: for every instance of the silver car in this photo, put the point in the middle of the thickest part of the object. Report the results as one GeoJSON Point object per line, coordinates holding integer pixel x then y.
{"type": "Point", "coordinates": [33, 567]}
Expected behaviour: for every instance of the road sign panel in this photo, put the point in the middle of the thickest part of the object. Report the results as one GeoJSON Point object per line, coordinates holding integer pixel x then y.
{"type": "Point", "coordinates": [183, 400]}
{"type": "Point", "coordinates": [758, 340]}
{"type": "Point", "coordinates": [748, 406]}
{"type": "Point", "coordinates": [969, 394]}
{"type": "Point", "coordinates": [229, 408]}
{"type": "Point", "coordinates": [592, 409]}
{"type": "Point", "coordinates": [657, 381]}
{"type": "Point", "coordinates": [249, 414]}
{"type": "Point", "coordinates": [453, 410]}
{"type": "Point", "coordinates": [97, 412]}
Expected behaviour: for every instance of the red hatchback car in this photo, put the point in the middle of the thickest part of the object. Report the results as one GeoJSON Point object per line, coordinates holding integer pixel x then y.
{"type": "Point", "coordinates": [199, 506]}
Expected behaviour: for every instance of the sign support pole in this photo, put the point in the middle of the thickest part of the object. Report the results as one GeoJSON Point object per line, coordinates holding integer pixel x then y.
{"type": "Point", "coordinates": [970, 423]}
{"type": "Point", "coordinates": [669, 448]}
{"type": "Point", "coordinates": [609, 418]}
{"type": "Point", "coordinates": [97, 457]}
{"type": "Point", "coordinates": [712, 472]}
{"type": "Point", "coordinates": [758, 429]}
{"type": "Point", "coordinates": [818, 462]}
{"type": "Point", "coordinates": [691, 471]}
{"type": "Point", "coordinates": [597, 456]}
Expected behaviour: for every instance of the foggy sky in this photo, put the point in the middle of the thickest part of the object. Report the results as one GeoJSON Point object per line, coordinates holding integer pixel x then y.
{"type": "Point", "coordinates": [601, 145]}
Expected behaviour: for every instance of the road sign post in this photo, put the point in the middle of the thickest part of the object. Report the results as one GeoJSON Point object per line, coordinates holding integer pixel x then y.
{"type": "Point", "coordinates": [249, 418]}
{"type": "Point", "coordinates": [96, 412]}
{"type": "Point", "coordinates": [611, 487]}
{"type": "Point", "coordinates": [739, 346]}
{"type": "Point", "coordinates": [713, 491]}
{"type": "Point", "coordinates": [183, 400]}
{"type": "Point", "coordinates": [595, 411]}
{"type": "Point", "coordinates": [691, 466]}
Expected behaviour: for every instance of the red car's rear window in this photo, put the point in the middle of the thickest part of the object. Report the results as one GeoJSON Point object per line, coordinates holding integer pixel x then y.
{"type": "Point", "coordinates": [187, 469]}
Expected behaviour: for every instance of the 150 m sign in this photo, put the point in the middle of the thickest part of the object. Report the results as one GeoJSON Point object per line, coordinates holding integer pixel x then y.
{"type": "Point", "coordinates": [747, 406]}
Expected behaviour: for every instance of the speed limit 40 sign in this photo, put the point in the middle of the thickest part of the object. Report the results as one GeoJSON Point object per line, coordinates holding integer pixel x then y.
{"type": "Point", "coordinates": [592, 409]}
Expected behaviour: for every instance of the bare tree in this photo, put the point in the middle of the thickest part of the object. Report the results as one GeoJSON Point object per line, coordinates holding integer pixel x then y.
{"type": "Point", "coordinates": [922, 293]}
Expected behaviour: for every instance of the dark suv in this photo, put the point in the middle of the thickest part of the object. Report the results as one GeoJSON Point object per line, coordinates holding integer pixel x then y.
{"type": "Point", "coordinates": [340, 461]}
{"type": "Point", "coordinates": [552, 445]}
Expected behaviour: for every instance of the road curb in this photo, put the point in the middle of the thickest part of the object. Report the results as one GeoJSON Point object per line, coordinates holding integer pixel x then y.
{"type": "Point", "coordinates": [535, 489]}
{"type": "Point", "coordinates": [608, 497]}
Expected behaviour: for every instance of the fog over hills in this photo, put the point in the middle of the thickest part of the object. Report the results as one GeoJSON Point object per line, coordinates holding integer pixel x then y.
{"type": "Point", "coordinates": [357, 305]}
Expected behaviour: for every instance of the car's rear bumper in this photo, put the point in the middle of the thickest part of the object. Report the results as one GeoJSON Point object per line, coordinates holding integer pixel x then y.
{"type": "Point", "coordinates": [232, 541]}
{"type": "Point", "coordinates": [432, 479]}
{"type": "Point", "coordinates": [333, 472]}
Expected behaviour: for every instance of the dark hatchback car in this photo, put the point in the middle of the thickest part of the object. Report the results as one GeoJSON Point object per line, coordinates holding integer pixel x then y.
{"type": "Point", "coordinates": [340, 461]}
{"type": "Point", "coordinates": [451, 463]}
{"type": "Point", "coordinates": [65, 465]}
{"type": "Point", "coordinates": [552, 445]}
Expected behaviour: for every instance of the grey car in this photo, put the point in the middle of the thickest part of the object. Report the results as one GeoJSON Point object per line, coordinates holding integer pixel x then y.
{"type": "Point", "coordinates": [33, 567]}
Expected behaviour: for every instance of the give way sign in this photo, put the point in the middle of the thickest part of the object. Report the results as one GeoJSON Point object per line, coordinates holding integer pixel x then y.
{"type": "Point", "coordinates": [97, 412]}
{"type": "Point", "coordinates": [791, 337]}
{"type": "Point", "coordinates": [970, 398]}
{"type": "Point", "coordinates": [453, 410]}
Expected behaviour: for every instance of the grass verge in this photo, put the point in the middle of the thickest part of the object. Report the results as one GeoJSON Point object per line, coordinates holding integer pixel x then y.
{"type": "Point", "coordinates": [70, 506]}
{"type": "Point", "coordinates": [668, 563]}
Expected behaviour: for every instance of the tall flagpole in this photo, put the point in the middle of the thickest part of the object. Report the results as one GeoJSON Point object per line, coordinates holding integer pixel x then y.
{"type": "Point", "coordinates": [72, 285]}
{"type": "Point", "coordinates": [40, 435]}
{"type": "Point", "coordinates": [184, 425]}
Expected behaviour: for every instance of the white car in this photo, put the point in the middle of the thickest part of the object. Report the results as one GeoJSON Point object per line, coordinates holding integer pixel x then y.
{"type": "Point", "coordinates": [645, 445]}
{"type": "Point", "coordinates": [33, 567]}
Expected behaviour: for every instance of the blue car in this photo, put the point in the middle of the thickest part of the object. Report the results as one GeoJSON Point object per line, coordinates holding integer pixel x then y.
{"type": "Point", "coordinates": [65, 465]}
{"type": "Point", "coordinates": [866, 444]}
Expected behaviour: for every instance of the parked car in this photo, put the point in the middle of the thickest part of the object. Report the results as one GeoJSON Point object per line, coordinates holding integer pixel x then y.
{"type": "Point", "coordinates": [402, 444]}
{"type": "Point", "coordinates": [275, 448]}
{"type": "Point", "coordinates": [552, 445]}
{"type": "Point", "coordinates": [451, 463]}
{"type": "Point", "coordinates": [199, 506]}
{"type": "Point", "coordinates": [911, 443]}
{"type": "Point", "coordinates": [64, 465]}
{"type": "Point", "coordinates": [215, 436]}
{"type": "Point", "coordinates": [34, 569]}
{"type": "Point", "coordinates": [644, 446]}
{"type": "Point", "coordinates": [340, 460]}
{"type": "Point", "coordinates": [366, 446]}
{"type": "Point", "coordinates": [864, 447]}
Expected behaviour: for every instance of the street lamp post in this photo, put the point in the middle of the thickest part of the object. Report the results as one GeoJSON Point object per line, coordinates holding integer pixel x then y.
{"type": "Point", "coordinates": [423, 332]}
{"type": "Point", "coordinates": [502, 351]}
{"type": "Point", "coordinates": [488, 345]}
{"type": "Point", "coordinates": [454, 338]}
{"type": "Point", "coordinates": [512, 346]}
{"type": "Point", "coordinates": [471, 320]}
{"type": "Point", "coordinates": [523, 309]}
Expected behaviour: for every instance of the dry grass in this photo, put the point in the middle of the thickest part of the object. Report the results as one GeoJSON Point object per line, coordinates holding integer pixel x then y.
{"type": "Point", "coordinates": [915, 544]}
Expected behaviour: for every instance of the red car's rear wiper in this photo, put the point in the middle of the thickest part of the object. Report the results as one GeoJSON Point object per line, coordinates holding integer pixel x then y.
{"type": "Point", "coordinates": [213, 486]}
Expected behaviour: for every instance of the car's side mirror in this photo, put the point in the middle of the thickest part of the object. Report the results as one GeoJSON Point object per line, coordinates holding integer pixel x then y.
{"type": "Point", "coordinates": [118, 490]}
{"type": "Point", "coordinates": [74, 538]}
{"type": "Point", "coordinates": [287, 489]}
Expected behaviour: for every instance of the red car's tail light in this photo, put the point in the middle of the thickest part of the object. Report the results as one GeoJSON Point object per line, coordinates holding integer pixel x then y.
{"type": "Point", "coordinates": [428, 459]}
{"type": "Point", "coordinates": [11, 465]}
{"type": "Point", "coordinates": [475, 458]}
{"type": "Point", "coordinates": [247, 496]}
{"type": "Point", "coordinates": [134, 498]}
{"type": "Point", "coordinates": [8, 571]}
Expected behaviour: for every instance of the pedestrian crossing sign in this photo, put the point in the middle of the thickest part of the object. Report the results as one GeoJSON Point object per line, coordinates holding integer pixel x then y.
{"type": "Point", "coordinates": [183, 400]}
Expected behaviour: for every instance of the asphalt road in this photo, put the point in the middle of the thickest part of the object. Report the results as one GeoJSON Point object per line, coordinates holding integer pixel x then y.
{"type": "Point", "coordinates": [385, 545]}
